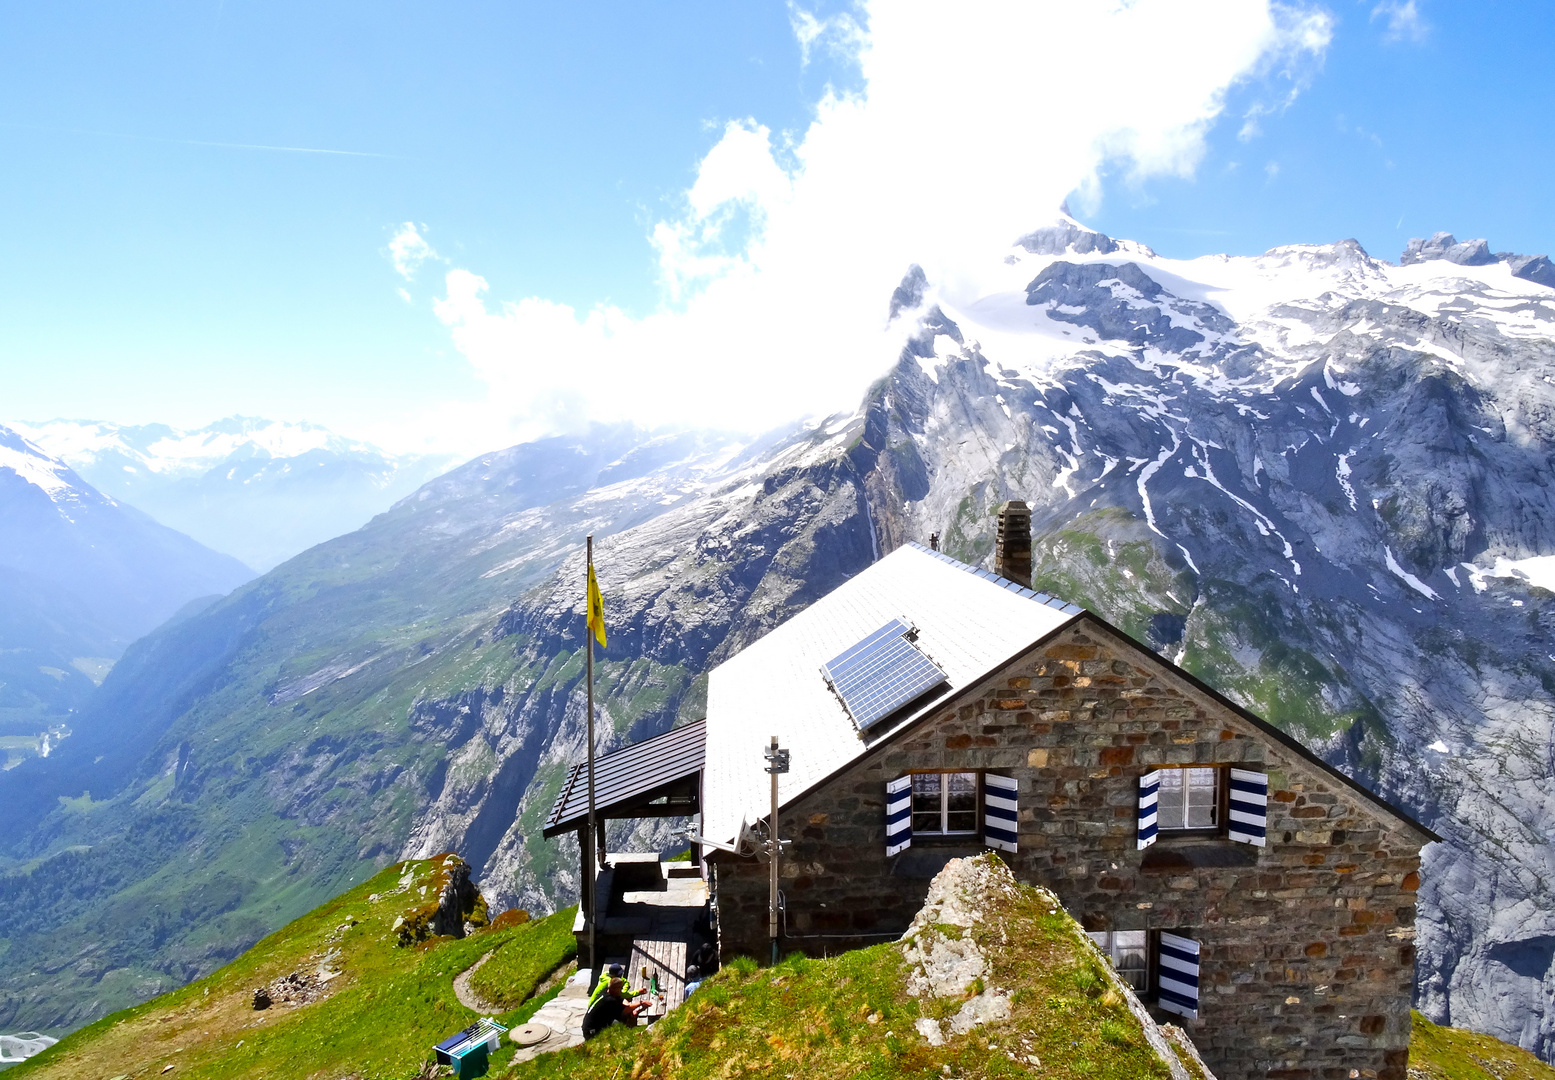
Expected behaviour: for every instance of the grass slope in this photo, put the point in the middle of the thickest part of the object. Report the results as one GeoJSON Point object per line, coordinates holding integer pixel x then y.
{"type": "Point", "coordinates": [843, 1017]}
{"type": "Point", "coordinates": [850, 1016]}
{"type": "Point", "coordinates": [1444, 1053]}
{"type": "Point", "coordinates": [381, 1017]}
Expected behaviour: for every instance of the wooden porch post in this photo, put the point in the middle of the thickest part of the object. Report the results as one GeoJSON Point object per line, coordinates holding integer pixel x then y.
{"type": "Point", "coordinates": [586, 891]}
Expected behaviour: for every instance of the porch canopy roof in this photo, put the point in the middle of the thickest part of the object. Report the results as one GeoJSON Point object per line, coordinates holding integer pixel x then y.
{"type": "Point", "coordinates": [630, 782]}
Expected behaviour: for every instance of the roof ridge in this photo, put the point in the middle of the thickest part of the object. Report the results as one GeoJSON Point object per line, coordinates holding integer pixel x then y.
{"type": "Point", "coordinates": [1046, 599]}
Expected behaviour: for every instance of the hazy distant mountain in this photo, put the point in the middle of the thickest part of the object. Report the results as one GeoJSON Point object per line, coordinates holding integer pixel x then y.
{"type": "Point", "coordinates": [259, 490]}
{"type": "Point", "coordinates": [271, 731]}
{"type": "Point", "coordinates": [81, 576]}
{"type": "Point", "coordinates": [1319, 481]}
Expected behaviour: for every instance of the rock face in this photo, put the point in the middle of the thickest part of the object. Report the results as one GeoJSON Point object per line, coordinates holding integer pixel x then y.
{"type": "Point", "coordinates": [945, 961]}
{"type": "Point", "coordinates": [1318, 481]}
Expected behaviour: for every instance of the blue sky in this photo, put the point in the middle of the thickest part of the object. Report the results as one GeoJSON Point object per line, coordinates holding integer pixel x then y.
{"type": "Point", "coordinates": [1445, 124]}
{"type": "Point", "coordinates": [166, 259]}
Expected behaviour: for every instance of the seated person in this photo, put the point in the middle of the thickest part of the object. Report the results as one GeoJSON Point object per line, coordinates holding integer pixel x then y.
{"type": "Point", "coordinates": [614, 985]}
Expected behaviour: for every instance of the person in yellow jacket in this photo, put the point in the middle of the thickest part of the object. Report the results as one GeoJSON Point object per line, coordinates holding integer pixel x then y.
{"type": "Point", "coordinates": [615, 985]}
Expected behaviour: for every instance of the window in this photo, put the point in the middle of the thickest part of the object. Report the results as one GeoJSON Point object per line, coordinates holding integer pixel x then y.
{"type": "Point", "coordinates": [944, 803]}
{"type": "Point", "coordinates": [1189, 799]}
{"type": "Point", "coordinates": [1128, 951]}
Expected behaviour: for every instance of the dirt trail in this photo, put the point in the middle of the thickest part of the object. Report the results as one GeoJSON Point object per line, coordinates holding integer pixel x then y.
{"type": "Point", "coordinates": [466, 993]}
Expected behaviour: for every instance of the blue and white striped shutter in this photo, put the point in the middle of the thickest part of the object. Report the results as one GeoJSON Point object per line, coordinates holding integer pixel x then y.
{"type": "Point", "coordinates": [898, 815]}
{"type": "Point", "coordinates": [1249, 805]}
{"type": "Point", "coordinates": [1149, 791]}
{"type": "Point", "coordinates": [999, 811]}
{"type": "Point", "coordinates": [1177, 984]}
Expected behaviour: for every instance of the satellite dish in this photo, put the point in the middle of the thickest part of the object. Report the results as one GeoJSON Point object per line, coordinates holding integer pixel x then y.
{"type": "Point", "coordinates": [753, 841]}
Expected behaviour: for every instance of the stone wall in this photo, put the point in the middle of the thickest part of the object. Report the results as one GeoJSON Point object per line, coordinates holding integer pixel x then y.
{"type": "Point", "coordinates": [1307, 962]}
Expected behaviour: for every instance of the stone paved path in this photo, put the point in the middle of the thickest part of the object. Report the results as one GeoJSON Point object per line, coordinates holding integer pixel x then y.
{"type": "Point", "coordinates": [563, 1015]}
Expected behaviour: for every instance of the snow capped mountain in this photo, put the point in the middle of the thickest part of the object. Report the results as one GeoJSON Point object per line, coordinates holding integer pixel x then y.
{"type": "Point", "coordinates": [258, 489]}
{"type": "Point", "coordinates": [1207, 310]}
{"type": "Point", "coordinates": [81, 576]}
{"type": "Point", "coordinates": [27, 462]}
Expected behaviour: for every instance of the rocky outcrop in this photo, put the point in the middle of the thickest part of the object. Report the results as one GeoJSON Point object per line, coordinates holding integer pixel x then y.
{"type": "Point", "coordinates": [977, 900]}
{"type": "Point", "coordinates": [454, 908]}
{"type": "Point", "coordinates": [1445, 246]}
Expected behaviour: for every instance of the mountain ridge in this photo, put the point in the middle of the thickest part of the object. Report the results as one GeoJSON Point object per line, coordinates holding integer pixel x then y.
{"type": "Point", "coordinates": [261, 490]}
{"type": "Point", "coordinates": [81, 577]}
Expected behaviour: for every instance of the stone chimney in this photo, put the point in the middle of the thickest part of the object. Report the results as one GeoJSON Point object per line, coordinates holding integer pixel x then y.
{"type": "Point", "coordinates": [1012, 547]}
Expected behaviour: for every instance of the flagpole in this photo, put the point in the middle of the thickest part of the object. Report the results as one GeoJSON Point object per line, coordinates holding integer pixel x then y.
{"type": "Point", "coordinates": [588, 635]}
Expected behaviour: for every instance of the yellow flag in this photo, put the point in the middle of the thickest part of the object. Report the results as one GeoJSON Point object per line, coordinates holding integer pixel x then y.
{"type": "Point", "coordinates": [596, 621]}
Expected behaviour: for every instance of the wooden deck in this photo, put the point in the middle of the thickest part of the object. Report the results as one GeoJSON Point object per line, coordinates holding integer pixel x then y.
{"type": "Point", "coordinates": [667, 960]}
{"type": "Point", "coordinates": [650, 924]}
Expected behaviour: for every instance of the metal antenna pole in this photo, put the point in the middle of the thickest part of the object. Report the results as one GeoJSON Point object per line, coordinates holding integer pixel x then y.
{"type": "Point", "coordinates": [772, 889]}
{"type": "Point", "coordinates": [588, 635]}
{"type": "Point", "coordinates": [777, 762]}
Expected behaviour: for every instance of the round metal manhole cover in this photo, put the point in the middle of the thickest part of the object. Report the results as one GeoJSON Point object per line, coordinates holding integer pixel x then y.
{"type": "Point", "coordinates": [529, 1034]}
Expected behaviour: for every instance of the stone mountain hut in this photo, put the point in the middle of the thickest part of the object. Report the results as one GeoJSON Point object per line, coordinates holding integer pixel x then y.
{"type": "Point", "coordinates": [1246, 889]}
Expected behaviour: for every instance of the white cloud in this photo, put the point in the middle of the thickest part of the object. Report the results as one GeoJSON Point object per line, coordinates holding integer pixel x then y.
{"type": "Point", "coordinates": [1271, 170]}
{"type": "Point", "coordinates": [973, 124]}
{"type": "Point", "coordinates": [408, 250]}
{"type": "Point", "coordinates": [1404, 22]}
{"type": "Point", "coordinates": [1288, 67]}
{"type": "Point", "coordinates": [839, 35]}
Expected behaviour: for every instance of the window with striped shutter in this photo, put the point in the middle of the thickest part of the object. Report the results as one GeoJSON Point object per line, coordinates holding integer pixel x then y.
{"type": "Point", "coordinates": [1177, 981]}
{"type": "Point", "coordinates": [1249, 806]}
{"type": "Point", "coordinates": [1149, 792]}
{"type": "Point", "coordinates": [999, 811]}
{"type": "Point", "coordinates": [898, 815]}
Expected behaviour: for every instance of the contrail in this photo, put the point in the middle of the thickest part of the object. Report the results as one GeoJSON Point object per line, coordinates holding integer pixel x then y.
{"type": "Point", "coordinates": [262, 146]}
{"type": "Point", "coordinates": [197, 142]}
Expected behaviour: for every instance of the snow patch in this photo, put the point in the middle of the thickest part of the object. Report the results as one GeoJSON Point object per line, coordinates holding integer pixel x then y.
{"type": "Point", "coordinates": [1538, 571]}
{"type": "Point", "coordinates": [1150, 470]}
{"type": "Point", "coordinates": [1343, 472]}
{"type": "Point", "coordinates": [1189, 557]}
{"type": "Point", "coordinates": [1409, 579]}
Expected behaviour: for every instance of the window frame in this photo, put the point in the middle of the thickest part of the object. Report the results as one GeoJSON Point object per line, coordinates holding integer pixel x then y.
{"type": "Point", "coordinates": [1147, 946]}
{"type": "Point", "coordinates": [1220, 804]}
{"type": "Point", "coordinates": [944, 804]}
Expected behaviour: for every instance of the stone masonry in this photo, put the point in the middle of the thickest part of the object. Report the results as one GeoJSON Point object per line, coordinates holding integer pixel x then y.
{"type": "Point", "coordinates": [1307, 963]}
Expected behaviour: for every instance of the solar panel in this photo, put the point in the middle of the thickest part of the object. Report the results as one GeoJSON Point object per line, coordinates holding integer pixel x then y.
{"type": "Point", "coordinates": [881, 674]}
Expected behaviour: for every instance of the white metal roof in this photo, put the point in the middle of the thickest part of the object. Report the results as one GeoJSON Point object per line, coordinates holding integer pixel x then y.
{"type": "Point", "coordinates": [969, 622]}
